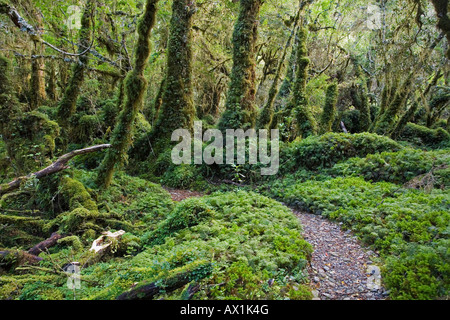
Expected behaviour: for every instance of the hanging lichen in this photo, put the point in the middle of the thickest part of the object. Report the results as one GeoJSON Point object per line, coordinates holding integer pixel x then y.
{"type": "Point", "coordinates": [135, 85]}
{"type": "Point", "coordinates": [240, 110]}
{"type": "Point", "coordinates": [329, 110]}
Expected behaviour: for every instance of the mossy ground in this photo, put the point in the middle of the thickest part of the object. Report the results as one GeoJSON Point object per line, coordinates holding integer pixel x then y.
{"type": "Point", "coordinates": [247, 238]}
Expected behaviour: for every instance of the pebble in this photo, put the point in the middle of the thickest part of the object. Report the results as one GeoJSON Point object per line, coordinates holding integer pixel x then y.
{"type": "Point", "coordinates": [341, 268]}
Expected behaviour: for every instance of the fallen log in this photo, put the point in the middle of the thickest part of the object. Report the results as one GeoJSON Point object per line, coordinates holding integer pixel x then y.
{"type": "Point", "coordinates": [44, 245]}
{"type": "Point", "coordinates": [177, 278]}
{"type": "Point", "coordinates": [15, 258]}
{"type": "Point", "coordinates": [58, 165]}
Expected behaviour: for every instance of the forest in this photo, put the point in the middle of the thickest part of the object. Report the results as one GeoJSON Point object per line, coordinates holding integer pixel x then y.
{"type": "Point", "coordinates": [347, 100]}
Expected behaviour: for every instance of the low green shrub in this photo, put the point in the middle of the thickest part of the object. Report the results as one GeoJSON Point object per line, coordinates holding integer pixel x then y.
{"type": "Point", "coordinates": [389, 218]}
{"type": "Point", "coordinates": [327, 150]}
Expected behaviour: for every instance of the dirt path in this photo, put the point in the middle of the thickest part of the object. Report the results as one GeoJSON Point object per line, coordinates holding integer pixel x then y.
{"type": "Point", "coordinates": [179, 195]}
{"type": "Point", "coordinates": [340, 269]}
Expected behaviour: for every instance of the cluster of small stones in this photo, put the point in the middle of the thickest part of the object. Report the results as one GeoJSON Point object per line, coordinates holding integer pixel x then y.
{"type": "Point", "coordinates": [341, 268]}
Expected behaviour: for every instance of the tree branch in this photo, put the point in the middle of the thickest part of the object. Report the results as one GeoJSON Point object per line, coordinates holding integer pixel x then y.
{"type": "Point", "coordinates": [58, 165]}
{"type": "Point", "coordinates": [23, 25]}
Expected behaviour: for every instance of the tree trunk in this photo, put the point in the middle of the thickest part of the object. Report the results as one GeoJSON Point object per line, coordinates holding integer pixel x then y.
{"type": "Point", "coordinates": [329, 110]}
{"type": "Point", "coordinates": [176, 279]}
{"type": "Point", "coordinates": [266, 115]}
{"type": "Point", "coordinates": [44, 245]}
{"type": "Point", "coordinates": [38, 94]}
{"type": "Point", "coordinates": [67, 106]}
{"type": "Point", "coordinates": [240, 112]}
{"type": "Point", "coordinates": [306, 124]}
{"type": "Point", "coordinates": [12, 259]}
{"type": "Point", "coordinates": [177, 109]}
{"type": "Point", "coordinates": [135, 87]}
{"type": "Point", "coordinates": [59, 165]}
{"type": "Point", "coordinates": [441, 8]}
{"type": "Point", "coordinates": [387, 119]}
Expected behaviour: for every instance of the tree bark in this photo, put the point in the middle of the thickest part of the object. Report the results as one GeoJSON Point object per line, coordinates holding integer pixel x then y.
{"type": "Point", "coordinates": [441, 8]}
{"type": "Point", "coordinates": [177, 108]}
{"type": "Point", "coordinates": [240, 110]}
{"type": "Point", "coordinates": [67, 105]}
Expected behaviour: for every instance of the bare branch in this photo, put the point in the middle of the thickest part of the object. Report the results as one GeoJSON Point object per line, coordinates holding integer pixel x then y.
{"type": "Point", "coordinates": [58, 165]}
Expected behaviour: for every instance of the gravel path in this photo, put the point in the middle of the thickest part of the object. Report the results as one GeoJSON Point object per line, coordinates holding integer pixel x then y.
{"type": "Point", "coordinates": [341, 269]}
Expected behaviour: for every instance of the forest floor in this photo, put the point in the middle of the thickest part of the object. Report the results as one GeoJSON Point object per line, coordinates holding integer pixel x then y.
{"type": "Point", "coordinates": [340, 267]}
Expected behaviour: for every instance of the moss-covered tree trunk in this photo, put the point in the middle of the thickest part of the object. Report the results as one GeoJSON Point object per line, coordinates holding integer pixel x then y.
{"type": "Point", "coordinates": [135, 88]}
{"type": "Point", "coordinates": [240, 106]}
{"type": "Point", "coordinates": [67, 105]}
{"type": "Point", "coordinates": [265, 117]}
{"type": "Point", "coordinates": [177, 109]}
{"type": "Point", "coordinates": [306, 124]}
{"type": "Point", "coordinates": [407, 117]}
{"type": "Point", "coordinates": [387, 120]}
{"type": "Point", "coordinates": [51, 83]}
{"type": "Point", "coordinates": [329, 110]}
{"type": "Point", "coordinates": [360, 98]}
{"type": "Point", "coordinates": [9, 106]}
{"type": "Point", "coordinates": [37, 87]}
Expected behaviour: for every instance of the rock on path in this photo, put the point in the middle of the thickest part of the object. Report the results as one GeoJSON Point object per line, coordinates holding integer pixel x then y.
{"type": "Point", "coordinates": [340, 269]}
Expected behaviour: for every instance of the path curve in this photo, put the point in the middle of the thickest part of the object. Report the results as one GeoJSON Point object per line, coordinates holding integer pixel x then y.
{"type": "Point", "coordinates": [341, 268]}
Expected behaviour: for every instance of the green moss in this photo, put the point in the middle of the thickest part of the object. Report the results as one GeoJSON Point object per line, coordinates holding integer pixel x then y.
{"type": "Point", "coordinates": [327, 150]}
{"type": "Point", "coordinates": [188, 213]}
{"type": "Point", "coordinates": [387, 120]}
{"type": "Point", "coordinates": [306, 124]}
{"type": "Point", "coordinates": [135, 85]}
{"type": "Point", "coordinates": [177, 108]}
{"type": "Point", "coordinates": [238, 240]}
{"type": "Point", "coordinates": [329, 110]}
{"type": "Point", "coordinates": [29, 137]}
{"type": "Point", "coordinates": [408, 227]}
{"type": "Point", "coordinates": [407, 116]}
{"type": "Point", "coordinates": [240, 112]}
{"type": "Point", "coordinates": [397, 167]}
{"type": "Point", "coordinates": [84, 128]}
{"type": "Point", "coordinates": [11, 286]}
{"type": "Point", "coordinates": [360, 98]}
{"type": "Point", "coordinates": [75, 195]}
{"type": "Point", "coordinates": [67, 105]}
{"type": "Point", "coordinates": [72, 241]}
